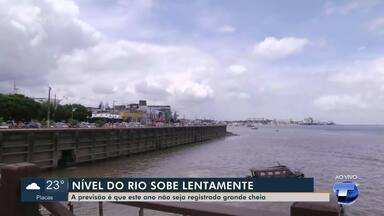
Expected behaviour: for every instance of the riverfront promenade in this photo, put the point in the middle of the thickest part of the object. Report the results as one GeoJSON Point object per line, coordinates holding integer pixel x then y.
{"type": "Point", "coordinates": [50, 148]}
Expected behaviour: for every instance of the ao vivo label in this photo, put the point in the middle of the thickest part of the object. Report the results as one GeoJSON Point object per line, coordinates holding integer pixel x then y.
{"type": "Point", "coordinates": [346, 177]}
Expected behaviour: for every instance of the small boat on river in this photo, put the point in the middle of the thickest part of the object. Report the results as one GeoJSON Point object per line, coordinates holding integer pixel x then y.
{"type": "Point", "coordinates": [279, 171]}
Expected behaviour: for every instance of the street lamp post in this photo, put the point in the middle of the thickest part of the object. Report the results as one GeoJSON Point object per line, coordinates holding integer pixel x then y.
{"type": "Point", "coordinates": [54, 109]}
{"type": "Point", "coordinates": [113, 113]}
{"type": "Point", "coordinates": [49, 106]}
{"type": "Point", "coordinates": [73, 110]}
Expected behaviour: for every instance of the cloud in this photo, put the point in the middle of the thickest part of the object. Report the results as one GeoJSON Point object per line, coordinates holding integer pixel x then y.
{"type": "Point", "coordinates": [54, 46]}
{"type": "Point", "coordinates": [237, 69]}
{"type": "Point", "coordinates": [340, 102]}
{"type": "Point", "coordinates": [370, 72]}
{"type": "Point", "coordinates": [227, 29]}
{"type": "Point", "coordinates": [152, 91]}
{"type": "Point", "coordinates": [110, 16]}
{"type": "Point", "coordinates": [33, 186]}
{"type": "Point", "coordinates": [138, 69]}
{"type": "Point", "coordinates": [360, 85]}
{"type": "Point", "coordinates": [275, 48]}
{"type": "Point", "coordinates": [124, 56]}
{"type": "Point", "coordinates": [244, 95]}
{"type": "Point", "coordinates": [193, 91]}
{"type": "Point", "coordinates": [35, 34]}
{"type": "Point", "coordinates": [103, 88]}
{"type": "Point", "coordinates": [345, 8]}
{"type": "Point", "coordinates": [215, 20]}
{"type": "Point", "coordinates": [377, 25]}
{"type": "Point", "coordinates": [349, 7]}
{"type": "Point", "coordinates": [353, 78]}
{"type": "Point", "coordinates": [362, 48]}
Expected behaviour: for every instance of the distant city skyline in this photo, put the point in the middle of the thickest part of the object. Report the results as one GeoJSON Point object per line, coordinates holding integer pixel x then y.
{"type": "Point", "coordinates": [217, 59]}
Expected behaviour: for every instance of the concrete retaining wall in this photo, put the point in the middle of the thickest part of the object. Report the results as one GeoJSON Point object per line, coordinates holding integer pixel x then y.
{"type": "Point", "coordinates": [52, 147]}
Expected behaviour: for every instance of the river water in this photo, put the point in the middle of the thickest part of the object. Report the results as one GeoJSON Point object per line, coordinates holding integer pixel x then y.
{"type": "Point", "coordinates": [321, 152]}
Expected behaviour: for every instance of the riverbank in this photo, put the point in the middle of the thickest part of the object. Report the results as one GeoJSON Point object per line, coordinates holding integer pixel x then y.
{"type": "Point", "coordinates": [50, 148]}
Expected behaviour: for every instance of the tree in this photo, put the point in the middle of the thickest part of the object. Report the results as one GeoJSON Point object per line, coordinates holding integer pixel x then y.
{"type": "Point", "coordinates": [44, 111]}
{"type": "Point", "coordinates": [19, 108]}
{"type": "Point", "coordinates": [14, 107]}
{"type": "Point", "coordinates": [80, 112]}
{"type": "Point", "coordinates": [100, 122]}
{"type": "Point", "coordinates": [64, 112]}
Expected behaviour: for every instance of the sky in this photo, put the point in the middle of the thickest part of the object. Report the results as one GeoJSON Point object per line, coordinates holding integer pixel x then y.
{"type": "Point", "coordinates": [220, 59]}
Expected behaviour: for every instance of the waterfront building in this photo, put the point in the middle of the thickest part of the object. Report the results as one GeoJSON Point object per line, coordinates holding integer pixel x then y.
{"type": "Point", "coordinates": [159, 113]}
{"type": "Point", "coordinates": [105, 116]}
{"type": "Point", "coordinates": [136, 112]}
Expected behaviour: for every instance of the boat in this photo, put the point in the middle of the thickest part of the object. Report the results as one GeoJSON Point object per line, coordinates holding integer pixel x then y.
{"type": "Point", "coordinates": [279, 171]}
{"type": "Point", "coordinates": [254, 128]}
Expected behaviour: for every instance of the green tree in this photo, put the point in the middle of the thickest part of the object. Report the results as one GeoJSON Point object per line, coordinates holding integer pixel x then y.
{"type": "Point", "coordinates": [62, 113]}
{"type": "Point", "coordinates": [44, 111]}
{"type": "Point", "coordinates": [73, 122]}
{"type": "Point", "coordinates": [19, 108]}
{"type": "Point", "coordinates": [100, 122]}
{"type": "Point", "coordinates": [80, 112]}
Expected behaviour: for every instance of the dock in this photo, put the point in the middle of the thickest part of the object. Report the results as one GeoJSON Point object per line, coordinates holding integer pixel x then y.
{"type": "Point", "coordinates": [51, 148]}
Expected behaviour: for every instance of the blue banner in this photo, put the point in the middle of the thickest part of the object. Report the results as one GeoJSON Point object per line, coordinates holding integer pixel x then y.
{"type": "Point", "coordinates": [57, 189]}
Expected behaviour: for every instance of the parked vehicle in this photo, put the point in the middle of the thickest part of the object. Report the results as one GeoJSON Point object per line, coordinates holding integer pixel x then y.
{"type": "Point", "coordinates": [84, 125]}
{"type": "Point", "coordinates": [60, 125]}
{"type": "Point", "coordinates": [33, 124]}
{"type": "Point", "coordinates": [4, 126]}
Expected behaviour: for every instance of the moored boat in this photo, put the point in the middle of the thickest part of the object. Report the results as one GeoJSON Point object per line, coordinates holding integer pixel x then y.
{"type": "Point", "coordinates": [279, 171]}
